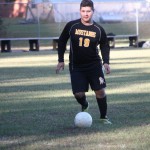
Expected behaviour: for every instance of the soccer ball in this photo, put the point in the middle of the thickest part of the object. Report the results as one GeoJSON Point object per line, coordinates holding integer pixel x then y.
{"type": "Point", "coordinates": [83, 120]}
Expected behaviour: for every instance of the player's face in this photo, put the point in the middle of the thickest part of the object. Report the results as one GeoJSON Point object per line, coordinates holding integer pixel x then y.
{"type": "Point", "coordinates": [86, 14]}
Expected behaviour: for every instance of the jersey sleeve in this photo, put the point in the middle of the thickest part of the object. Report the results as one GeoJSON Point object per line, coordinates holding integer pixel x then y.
{"type": "Point", "coordinates": [63, 42]}
{"type": "Point", "coordinates": [104, 47]}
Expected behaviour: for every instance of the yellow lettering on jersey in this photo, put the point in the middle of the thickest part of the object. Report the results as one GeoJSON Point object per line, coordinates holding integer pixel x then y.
{"type": "Point", "coordinates": [85, 33]}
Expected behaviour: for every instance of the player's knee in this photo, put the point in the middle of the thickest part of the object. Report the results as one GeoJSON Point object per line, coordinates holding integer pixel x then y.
{"type": "Point", "coordinates": [79, 95]}
{"type": "Point", "coordinates": [100, 93]}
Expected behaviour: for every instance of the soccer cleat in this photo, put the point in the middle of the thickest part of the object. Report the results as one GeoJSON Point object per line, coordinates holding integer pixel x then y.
{"type": "Point", "coordinates": [85, 108]}
{"type": "Point", "coordinates": [105, 121]}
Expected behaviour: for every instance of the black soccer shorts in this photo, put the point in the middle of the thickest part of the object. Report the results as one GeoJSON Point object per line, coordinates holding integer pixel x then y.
{"type": "Point", "coordinates": [81, 79]}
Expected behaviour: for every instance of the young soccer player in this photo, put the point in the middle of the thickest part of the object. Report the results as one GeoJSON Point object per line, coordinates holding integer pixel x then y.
{"type": "Point", "coordinates": [85, 63]}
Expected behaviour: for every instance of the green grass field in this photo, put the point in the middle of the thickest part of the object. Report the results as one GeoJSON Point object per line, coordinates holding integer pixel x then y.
{"type": "Point", "coordinates": [37, 107]}
{"type": "Point", "coordinates": [13, 28]}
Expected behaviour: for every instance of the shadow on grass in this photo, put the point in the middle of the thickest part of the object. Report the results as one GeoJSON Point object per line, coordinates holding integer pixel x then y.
{"type": "Point", "coordinates": [10, 73]}
{"type": "Point", "coordinates": [27, 54]}
{"type": "Point", "coordinates": [42, 115]}
{"type": "Point", "coordinates": [33, 119]}
{"type": "Point", "coordinates": [37, 74]}
{"type": "Point", "coordinates": [53, 117]}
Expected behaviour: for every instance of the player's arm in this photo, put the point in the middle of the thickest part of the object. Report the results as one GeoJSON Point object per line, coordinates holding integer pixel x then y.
{"type": "Point", "coordinates": [105, 51]}
{"type": "Point", "coordinates": [62, 42]}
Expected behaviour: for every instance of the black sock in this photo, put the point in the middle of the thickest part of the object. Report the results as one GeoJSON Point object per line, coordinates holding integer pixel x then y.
{"type": "Point", "coordinates": [82, 100]}
{"type": "Point", "coordinates": [102, 104]}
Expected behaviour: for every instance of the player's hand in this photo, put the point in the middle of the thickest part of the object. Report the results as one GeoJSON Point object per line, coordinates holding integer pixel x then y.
{"type": "Point", "coordinates": [59, 67]}
{"type": "Point", "coordinates": [107, 68]}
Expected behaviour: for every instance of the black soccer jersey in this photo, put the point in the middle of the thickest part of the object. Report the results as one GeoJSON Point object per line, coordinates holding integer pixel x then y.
{"type": "Point", "coordinates": [84, 41]}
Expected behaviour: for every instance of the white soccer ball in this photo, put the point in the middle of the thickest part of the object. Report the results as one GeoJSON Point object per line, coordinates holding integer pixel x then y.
{"type": "Point", "coordinates": [83, 120]}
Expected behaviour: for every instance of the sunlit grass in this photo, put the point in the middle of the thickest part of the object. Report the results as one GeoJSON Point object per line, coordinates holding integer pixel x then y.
{"type": "Point", "coordinates": [37, 107]}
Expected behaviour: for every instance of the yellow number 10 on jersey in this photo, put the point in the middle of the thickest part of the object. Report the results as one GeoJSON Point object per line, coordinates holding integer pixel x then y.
{"type": "Point", "coordinates": [84, 42]}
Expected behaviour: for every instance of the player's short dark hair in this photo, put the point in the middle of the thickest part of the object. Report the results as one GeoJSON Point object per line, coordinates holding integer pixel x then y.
{"type": "Point", "coordinates": [85, 3]}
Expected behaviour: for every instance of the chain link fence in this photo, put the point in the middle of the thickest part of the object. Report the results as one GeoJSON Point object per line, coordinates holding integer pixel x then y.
{"type": "Point", "coordinates": [48, 19]}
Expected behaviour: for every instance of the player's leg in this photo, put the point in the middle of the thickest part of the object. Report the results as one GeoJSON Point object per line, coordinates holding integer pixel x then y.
{"type": "Point", "coordinates": [79, 87]}
{"type": "Point", "coordinates": [81, 99]}
{"type": "Point", "coordinates": [102, 102]}
{"type": "Point", "coordinates": [98, 84]}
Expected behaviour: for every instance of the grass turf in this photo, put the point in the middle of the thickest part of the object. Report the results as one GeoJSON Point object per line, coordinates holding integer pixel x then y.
{"type": "Point", "coordinates": [37, 108]}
